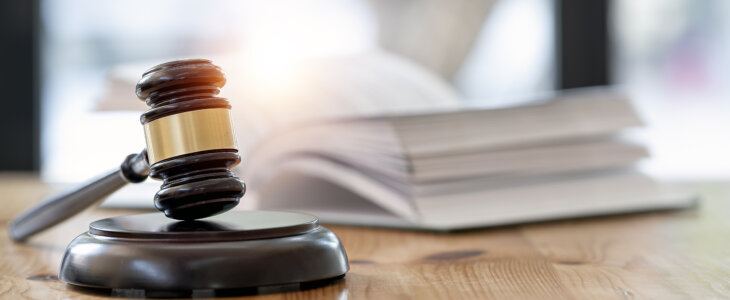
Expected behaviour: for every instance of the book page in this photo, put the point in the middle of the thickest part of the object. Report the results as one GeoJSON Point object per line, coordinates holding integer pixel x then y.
{"type": "Point", "coordinates": [598, 194]}
{"type": "Point", "coordinates": [331, 203]}
{"type": "Point", "coordinates": [578, 115]}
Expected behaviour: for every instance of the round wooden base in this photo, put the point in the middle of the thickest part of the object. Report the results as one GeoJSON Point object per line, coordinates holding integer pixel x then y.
{"type": "Point", "coordinates": [234, 250]}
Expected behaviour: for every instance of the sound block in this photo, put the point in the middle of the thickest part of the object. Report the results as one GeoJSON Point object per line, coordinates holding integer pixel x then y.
{"type": "Point", "coordinates": [240, 249]}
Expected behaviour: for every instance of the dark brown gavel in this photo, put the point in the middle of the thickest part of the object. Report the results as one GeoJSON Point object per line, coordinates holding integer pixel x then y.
{"type": "Point", "coordinates": [190, 146]}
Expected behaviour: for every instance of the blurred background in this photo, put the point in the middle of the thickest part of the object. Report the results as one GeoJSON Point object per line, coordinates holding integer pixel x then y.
{"type": "Point", "coordinates": [65, 115]}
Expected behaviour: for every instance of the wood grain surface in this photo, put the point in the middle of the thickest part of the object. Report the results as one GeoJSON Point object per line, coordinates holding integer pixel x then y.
{"type": "Point", "coordinates": [660, 255]}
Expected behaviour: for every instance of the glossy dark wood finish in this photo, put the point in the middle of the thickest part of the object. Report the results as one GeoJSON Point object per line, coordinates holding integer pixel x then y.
{"type": "Point", "coordinates": [232, 226]}
{"type": "Point", "coordinates": [181, 86]}
{"type": "Point", "coordinates": [195, 185]}
{"type": "Point", "coordinates": [198, 185]}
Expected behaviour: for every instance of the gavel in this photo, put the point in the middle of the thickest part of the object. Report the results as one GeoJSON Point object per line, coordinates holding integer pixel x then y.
{"type": "Point", "coordinates": [191, 146]}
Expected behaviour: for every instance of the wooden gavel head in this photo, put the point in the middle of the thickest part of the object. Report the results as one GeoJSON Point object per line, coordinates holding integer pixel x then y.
{"type": "Point", "coordinates": [190, 141]}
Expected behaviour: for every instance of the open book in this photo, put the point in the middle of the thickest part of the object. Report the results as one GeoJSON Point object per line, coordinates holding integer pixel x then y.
{"type": "Point", "coordinates": [462, 168]}
{"type": "Point", "coordinates": [376, 140]}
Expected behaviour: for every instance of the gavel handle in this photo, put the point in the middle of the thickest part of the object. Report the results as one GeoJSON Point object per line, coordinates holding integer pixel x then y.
{"type": "Point", "coordinates": [59, 208]}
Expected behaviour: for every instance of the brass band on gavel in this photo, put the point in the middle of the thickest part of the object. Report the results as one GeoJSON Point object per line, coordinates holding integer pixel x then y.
{"type": "Point", "coordinates": [189, 132]}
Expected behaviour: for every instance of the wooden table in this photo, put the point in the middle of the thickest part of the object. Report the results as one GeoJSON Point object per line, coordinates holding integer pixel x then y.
{"type": "Point", "coordinates": [661, 255]}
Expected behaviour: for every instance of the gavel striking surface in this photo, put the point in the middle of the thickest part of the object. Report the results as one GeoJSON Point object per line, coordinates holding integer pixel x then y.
{"type": "Point", "coordinates": [235, 250]}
